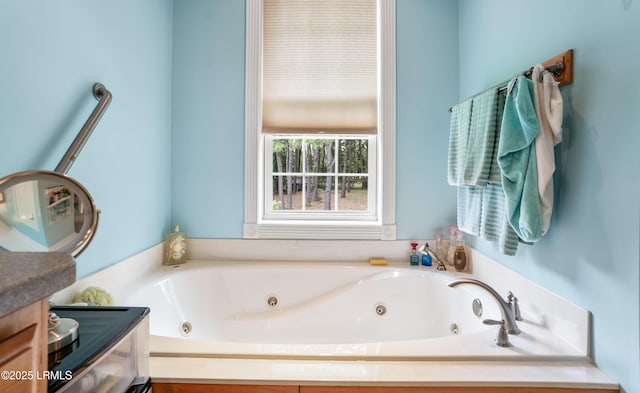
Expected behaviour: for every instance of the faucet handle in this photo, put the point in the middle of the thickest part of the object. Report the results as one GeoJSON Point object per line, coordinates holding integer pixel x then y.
{"type": "Point", "coordinates": [503, 338]}
{"type": "Point", "coordinates": [513, 303]}
{"type": "Point", "coordinates": [493, 322]}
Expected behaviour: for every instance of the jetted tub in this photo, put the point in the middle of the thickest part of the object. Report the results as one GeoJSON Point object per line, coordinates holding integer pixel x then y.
{"type": "Point", "coordinates": [327, 310]}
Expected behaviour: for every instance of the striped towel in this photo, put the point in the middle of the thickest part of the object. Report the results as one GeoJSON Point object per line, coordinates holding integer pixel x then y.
{"type": "Point", "coordinates": [471, 148]}
{"type": "Point", "coordinates": [481, 209]}
{"type": "Point", "coordinates": [481, 212]}
{"type": "Point", "coordinates": [469, 209]}
{"type": "Point", "coordinates": [495, 176]}
{"type": "Point", "coordinates": [494, 224]}
{"type": "Point", "coordinates": [458, 140]}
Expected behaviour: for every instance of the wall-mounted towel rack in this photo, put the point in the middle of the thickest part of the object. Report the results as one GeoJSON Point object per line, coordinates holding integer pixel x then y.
{"type": "Point", "coordinates": [104, 98]}
{"type": "Point", "coordinates": [560, 66]}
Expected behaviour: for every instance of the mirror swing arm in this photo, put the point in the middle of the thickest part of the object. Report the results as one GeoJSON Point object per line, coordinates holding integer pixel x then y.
{"type": "Point", "coordinates": [63, 183]}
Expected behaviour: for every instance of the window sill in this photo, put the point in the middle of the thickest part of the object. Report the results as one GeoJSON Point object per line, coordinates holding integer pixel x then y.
{"type": "Point", "coordinates": [351, 230]}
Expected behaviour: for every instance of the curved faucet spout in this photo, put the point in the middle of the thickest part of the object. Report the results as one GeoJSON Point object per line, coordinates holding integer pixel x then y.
{"type": "Point", "coordinates": [505, 307]}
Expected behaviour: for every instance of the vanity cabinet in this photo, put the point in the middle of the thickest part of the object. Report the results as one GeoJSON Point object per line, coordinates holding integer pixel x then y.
{"type": "Point", "coordinates": [23, 349]}
{"type": "Point", "coordinates": [204, 388]}
{"type": "Point", "coordinates": [26, 281]}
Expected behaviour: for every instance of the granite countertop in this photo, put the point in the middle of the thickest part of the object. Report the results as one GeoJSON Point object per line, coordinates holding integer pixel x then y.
{"type": "Point", "coordinates": [26, 277]}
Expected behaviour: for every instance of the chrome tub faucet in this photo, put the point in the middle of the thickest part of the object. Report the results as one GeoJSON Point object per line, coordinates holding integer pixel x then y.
{"type": "Point", "coordinates": [506, 307]}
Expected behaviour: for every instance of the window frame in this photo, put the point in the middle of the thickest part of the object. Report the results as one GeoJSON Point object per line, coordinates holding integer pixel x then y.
{"type": "Point", "coordinates": [258, 226]}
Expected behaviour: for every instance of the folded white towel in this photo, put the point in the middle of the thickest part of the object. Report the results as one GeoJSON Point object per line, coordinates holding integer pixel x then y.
{"type": "Point", "coordinates": [548, 104]}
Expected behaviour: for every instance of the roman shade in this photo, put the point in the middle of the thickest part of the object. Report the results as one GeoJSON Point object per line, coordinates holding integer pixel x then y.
{"type": "Point", "coordinates": [319, 67]}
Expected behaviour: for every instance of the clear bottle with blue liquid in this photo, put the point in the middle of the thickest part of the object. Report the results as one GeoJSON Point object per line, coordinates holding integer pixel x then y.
{"type": "Point", "coordinates": [426, 257]}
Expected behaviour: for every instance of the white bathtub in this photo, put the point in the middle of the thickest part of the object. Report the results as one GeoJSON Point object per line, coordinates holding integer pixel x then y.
{"type": "Point", "coordinates": [327, 310]}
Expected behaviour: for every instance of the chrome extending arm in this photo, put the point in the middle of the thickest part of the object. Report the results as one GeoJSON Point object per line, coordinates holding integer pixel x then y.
{"type": "Point", "coordinates": [505, 307]}
{"type": "Point", "coordinates": [104, 98]}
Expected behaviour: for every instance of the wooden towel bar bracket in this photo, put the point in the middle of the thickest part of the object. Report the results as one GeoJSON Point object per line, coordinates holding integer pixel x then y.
{"type": "Point", "coordinates": [561, 66]}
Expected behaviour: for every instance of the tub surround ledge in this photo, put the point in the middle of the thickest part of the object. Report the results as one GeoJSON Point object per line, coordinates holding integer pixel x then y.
{"type": "Point", "coordinates": [27, 277]}
{"type": "Point", "coordinates": [533, 374]}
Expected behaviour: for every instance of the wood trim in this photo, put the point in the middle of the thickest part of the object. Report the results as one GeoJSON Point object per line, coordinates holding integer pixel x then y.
{"type": "Point", "coordinates": [214, 388]}
{"type": "Point", "coordinates": [444, 389]}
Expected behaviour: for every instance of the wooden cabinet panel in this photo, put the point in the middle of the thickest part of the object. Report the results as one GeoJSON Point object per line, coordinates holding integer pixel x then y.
{"type": "Point", "coordinates": [23, 354]}
{"type": "Point", "coordinates": [442, 389]}
{"type": "Point", "coordinates": [16, 354]}
{"type": "Point", "coordinates": [213, 388]}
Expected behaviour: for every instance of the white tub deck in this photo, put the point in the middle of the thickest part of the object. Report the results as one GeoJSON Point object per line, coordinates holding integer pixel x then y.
{"type": "Point", "coordinates": [557, 374]}
{"type": "Point", "coordinates": [560, 359]}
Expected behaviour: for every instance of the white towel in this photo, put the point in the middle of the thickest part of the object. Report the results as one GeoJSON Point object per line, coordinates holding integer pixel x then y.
{"type": "Point", "coordinates": [548, 104]}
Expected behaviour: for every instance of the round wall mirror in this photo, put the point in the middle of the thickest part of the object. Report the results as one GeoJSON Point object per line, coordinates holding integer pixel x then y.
{"type": "Point", "coordinates": [45, 211]}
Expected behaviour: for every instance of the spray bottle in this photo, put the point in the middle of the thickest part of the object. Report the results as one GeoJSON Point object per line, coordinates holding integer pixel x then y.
{"type": "Point", "coordinates": [413, 258]}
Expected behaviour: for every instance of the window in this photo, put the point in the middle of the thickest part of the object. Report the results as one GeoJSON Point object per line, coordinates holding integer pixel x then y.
{"type": "Point", "coordinates": [320, 177]}
{"type": "Point", "coordinates": [329, 173]}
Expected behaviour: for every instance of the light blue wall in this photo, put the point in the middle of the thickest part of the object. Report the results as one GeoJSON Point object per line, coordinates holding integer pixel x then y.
{"type": "Point", "coordinates": [208, 115]}
{"type": "Point", "coordinates": [51, 55]}
{"type": "Point", "coordinates": [590, 255]}
{"type": "Point", "coordinates": [427, 79]}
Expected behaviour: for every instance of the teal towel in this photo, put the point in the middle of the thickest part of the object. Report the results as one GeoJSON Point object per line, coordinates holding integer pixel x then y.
{"type": "Point", "coordinates": [517, 161]}
{"type": "Point", "coordinates": [482, 138]}
{"type": "Point", "coordinates": [494, 225]}
{"type": "Point", "coordinates": [472, 139]}
{"type": "Point", "coordinates": [481, 212]}
{"type": "Point", "coordinates": [469, 209]}
{"type": "Point", "coordinates": [495, 176]}
{"type": "Point", "coordinates": [458, 139]}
